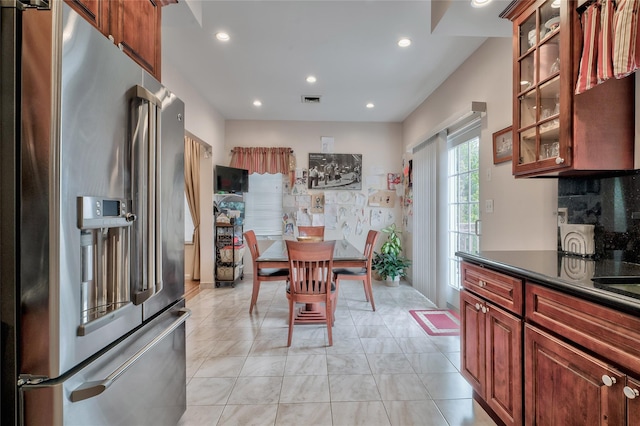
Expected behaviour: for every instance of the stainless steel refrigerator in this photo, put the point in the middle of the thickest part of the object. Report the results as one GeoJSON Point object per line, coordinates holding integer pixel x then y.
{"type": "Point", "coordinates": [91, 228]}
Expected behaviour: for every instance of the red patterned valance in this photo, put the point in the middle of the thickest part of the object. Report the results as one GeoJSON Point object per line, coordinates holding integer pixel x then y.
{"type": "Point", "coordinates": [263, 160]}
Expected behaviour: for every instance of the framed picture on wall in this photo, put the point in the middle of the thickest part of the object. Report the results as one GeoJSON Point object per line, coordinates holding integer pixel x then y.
{"type": "Point", "coordinates": [502, 145]}
{"type": "Point", "coordinates": [335, 171]}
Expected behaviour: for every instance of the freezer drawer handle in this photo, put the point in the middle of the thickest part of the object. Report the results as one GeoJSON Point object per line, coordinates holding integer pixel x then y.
{"type": "Point", "coordinates": [94, 388]}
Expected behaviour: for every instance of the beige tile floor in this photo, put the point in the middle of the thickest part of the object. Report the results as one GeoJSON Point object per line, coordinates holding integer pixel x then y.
{"type": "Point", "coordinates": [382, 369]}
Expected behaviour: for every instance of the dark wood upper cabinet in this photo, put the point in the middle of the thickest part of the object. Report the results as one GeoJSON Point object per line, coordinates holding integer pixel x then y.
{"type": "Point", "coordinates": [133, 25]}
{"type": "Point", "coordinates": [136, 29]}
{"type": "Point", "coordinates": [555, 131]}
{"type": "Point", "coordinates": [94, 11]}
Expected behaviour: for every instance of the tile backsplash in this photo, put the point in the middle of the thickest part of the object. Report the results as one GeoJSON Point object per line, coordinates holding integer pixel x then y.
{"type": "Point", "coordinates": [610, 203]}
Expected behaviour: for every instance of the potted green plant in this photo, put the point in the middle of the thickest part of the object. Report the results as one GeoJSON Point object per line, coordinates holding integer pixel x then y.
{"type": "Point", "coordinates": [388, 262]}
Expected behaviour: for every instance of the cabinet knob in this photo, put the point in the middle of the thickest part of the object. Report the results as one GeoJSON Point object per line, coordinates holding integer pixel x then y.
{"type": "Point", "coordinates": [608, 380]}
{"type": "Point", "coordinates": [482, 283]}
{"type": "Point", "coordinates": [630, 393]}
{"type": "Point", "coordinates": [485, 309]}
{"type": "Point", "coordinates": [559, 160]}
{"type": "Point", "coordinates": [477, 306]}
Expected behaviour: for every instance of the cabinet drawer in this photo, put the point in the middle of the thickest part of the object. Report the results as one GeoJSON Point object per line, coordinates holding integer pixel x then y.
{"type": "Point", "coordinates": [611, 334]}
{"type": "Point", "coordinates": [503, 290]}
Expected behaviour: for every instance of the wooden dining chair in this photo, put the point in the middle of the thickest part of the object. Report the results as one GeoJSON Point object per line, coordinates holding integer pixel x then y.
{"type": "Point", "coordinates": [310, 233]}
{"type": "Point", "coordinates": [364, 273]}
{"type": "Point", "coordinates": [261, 274]}
{"type": "Point", "coordinates": [310, 280]}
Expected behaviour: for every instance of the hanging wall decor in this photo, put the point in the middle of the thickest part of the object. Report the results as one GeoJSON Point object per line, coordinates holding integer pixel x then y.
{"type": "Point", "coordinates": [335, 171]}
{"type": "Point", "coordinates": [502, 145]}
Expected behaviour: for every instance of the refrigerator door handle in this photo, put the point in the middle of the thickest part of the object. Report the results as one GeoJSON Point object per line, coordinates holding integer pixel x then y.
{"type": "Point", "coordinates": [90, 389]}
{"type": "Point", "coordinates": [146, 189]}
{"type": "Point", "coordinates": [158, 202]}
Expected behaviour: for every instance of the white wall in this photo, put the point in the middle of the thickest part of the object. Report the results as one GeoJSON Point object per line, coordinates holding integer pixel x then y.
{"type": "Point", "coordinates": [202, 120]}
{"type": "Point", "coordinates": [524, 209]}
{"type": "Point", "coordinates": [379, 143]}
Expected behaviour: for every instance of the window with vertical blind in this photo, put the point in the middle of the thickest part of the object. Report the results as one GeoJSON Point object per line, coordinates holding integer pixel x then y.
{"type": "Point", "coordinates": [445, 166]}
{"type": "Point", "coordinates": [463, 188]}
{"type": "Point", "coordinates": [263, 204]}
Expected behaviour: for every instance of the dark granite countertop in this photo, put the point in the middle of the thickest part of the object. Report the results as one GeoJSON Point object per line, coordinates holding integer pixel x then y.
{"type": "Point", "coordinates": [573, 275]}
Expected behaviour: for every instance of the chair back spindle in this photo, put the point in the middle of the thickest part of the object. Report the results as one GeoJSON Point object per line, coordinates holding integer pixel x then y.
{"type": "Point", "coordinates": [311, 279]}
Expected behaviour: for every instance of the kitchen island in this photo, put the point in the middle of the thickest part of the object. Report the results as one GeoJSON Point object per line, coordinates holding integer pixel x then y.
{"type": "Point", "coordinates": [551, 339]}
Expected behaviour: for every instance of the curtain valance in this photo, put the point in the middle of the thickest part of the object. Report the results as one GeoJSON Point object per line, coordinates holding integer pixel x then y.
{"type": "Point", "coordinates": [263, 160]}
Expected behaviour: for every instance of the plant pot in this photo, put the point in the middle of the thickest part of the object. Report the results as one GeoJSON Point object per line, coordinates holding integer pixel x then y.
{"type": "Point", "coordinates": [392, 281]}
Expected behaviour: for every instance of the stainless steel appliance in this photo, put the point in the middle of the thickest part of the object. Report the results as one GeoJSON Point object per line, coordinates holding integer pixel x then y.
{"type": "Point", "coordinates": [91, 227]}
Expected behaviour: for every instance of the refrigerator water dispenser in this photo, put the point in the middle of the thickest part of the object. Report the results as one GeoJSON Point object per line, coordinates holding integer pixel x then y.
{"type": "Point", "coordinates": [105, 260]}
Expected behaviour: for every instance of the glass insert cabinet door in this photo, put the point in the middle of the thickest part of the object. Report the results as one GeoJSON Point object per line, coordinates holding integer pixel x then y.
{"type": "Point", "coordinates": [539, 95]}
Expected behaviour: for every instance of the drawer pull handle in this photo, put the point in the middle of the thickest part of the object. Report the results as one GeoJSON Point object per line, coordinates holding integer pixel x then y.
{"type": "Point", "coordinates": [482, 283]}
{"type": "Point", "coordinates": [608, 380]}
{"type": "Point", "coordinates": [630, 393]}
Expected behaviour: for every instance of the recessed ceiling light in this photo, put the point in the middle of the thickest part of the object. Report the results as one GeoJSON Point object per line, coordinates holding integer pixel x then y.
{"type": "Point", "coordinates": [223, 36]}
{"type": "Point", "coordinates": [480, 3]}
{"type": "Point", "coordinates": [404, 42]}
{"type": "Point", "coordinates": [370, 105]}
{"type": "Point", "coordinates": [257, 103]}
{"type": "Point", "coordinates": [311, 79]}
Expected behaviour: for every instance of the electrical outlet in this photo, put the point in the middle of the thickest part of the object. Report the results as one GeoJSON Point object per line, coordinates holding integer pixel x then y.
{"type": "Point", "coordinates": [488, 206]}
{"type": "Point", "coordinates": [563, 215]}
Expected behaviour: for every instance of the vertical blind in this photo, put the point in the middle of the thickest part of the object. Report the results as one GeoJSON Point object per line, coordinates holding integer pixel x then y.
{"type": "Point", "coordinates": [425, 193]}
{"type": "Point", "coordinates": [430, 223]}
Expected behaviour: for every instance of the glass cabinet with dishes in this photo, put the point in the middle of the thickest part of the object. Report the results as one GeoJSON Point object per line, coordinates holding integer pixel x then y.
{"type": "Point", "coordinates": [556, 131]}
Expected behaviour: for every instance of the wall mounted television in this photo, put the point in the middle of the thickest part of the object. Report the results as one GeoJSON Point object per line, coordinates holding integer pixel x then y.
{"type": "Point", "coordinates": [231, 180]}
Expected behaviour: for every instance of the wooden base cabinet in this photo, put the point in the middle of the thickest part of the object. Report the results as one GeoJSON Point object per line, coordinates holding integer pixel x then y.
{"type": "Point", "coordinates": [562, 378]}
{"type": "Point", "coordinates": [491, 341]}
{"type": "Point", "coordinates": [566, 386]}
{"type": "Point", "coordinates": [569, 362]}
{"type": "Point", "coordinates": [632, 393]}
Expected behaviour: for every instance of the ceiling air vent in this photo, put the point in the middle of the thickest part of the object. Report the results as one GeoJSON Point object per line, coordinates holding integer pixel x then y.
{"type": "Point", "coordinates": [310, 99]}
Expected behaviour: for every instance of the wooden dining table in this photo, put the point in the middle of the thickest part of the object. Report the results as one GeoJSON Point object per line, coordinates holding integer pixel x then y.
{"type": "Point", "coordinates": [345, 255]}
